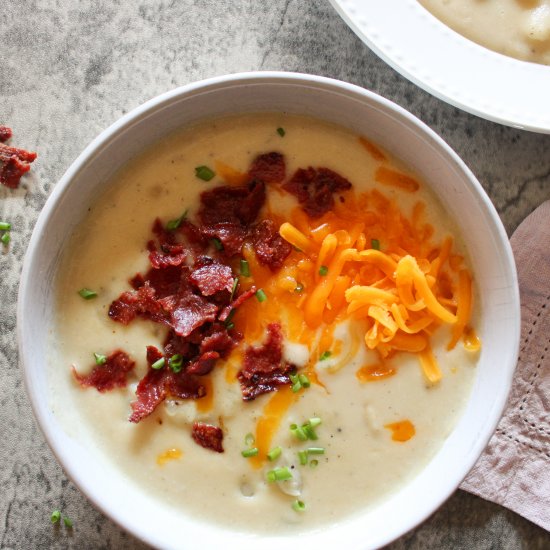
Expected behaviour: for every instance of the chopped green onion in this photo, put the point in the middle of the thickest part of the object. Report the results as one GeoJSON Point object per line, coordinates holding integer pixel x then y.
{"type": "Point", "coordinates": [279, 474]}
{"type": "Point", "coordinates": [172, 225]}
{"type": "Point", "coordinates": [230, 326]}
{"type": "Point", "coordinates": [314, 421]}
{"type": "Point", "coordinates": [176, 362]}
{"type": "Point", "coordinates": [158, 364]}
{"type": "Point", "coordinates": [68, 522]}
{"type": "Point", "coordinates": [87, 294]}
{"type": "Point", "coordinates": [247, 453]}
{"type": "Point", "coordinates": [6, 238]}
{"type": "Point", "coordinates": [249, 439]}
{"type": "Point", "coordinates": [302, 456]}
{"type": "Point", "coordinates": [315, 451]}
{"type": "Point", "coordinates": [274, 454]}
{"type": "Point", "coordinates": [217, 244]}
{"type": "Point", "coordinates": [295, 381]}
{"type": "Point", "coordinates": [245, 268]}
{"type": "Point", "coordinates": [310, 432]}
{"type": "Point", "coordinates": [56, 516]}
{"type": "Point", "coordinates": [375, 243]}
{"type": "Point", "coordinates": [323, 270]}
{"type": "Point", "coordinates": [230, 317]}
{"type": "Point", "coordinates": [260, 295]}
{"type": "Point", "coordinates": [325, 355]}
{"type": "Point", "coordinates": [204, 173]}
{"type": "Point", "coordinates": [100, 359]}
{"type": "Point", "coordinates": [299, 288]}
{"type": "Point", "coordinates": [298, 432]}
{"type": "Point", "coordinates": [281, 132]}
{"type": "Point", "coordinates": [235, 284]}
{"type": "Point", "coordinates": [313, 463]}
{"type": "Point", "coordinates": [298, 506]}
{"type": "Point", "coordinates": [304, 380]}
{"type": "Point", "coordinates": [5, 226]}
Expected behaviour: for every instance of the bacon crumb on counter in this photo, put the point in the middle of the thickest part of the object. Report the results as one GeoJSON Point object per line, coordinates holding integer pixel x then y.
{"type": "Point", "coordinates": [14, 162]}
{"type": "Point", "coordinates": [112, 374]}
{"type": "Point", "coordinates": [208, 436]}
{"type": "Point", "coordinates": [264, 368]}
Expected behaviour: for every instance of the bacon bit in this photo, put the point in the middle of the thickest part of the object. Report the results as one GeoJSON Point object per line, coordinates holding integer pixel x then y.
{"type": "Point", "coordinates": [236, 303]}
{"type": "Point", "coordinates": [269, 168]}
{"type": "Point", "coordinates": [231, 235]}
{"type": "Point", "coordinates": [387, 176]}
{"type": "Point", "coordinates": [112, 374]}
{"type": "Point", "coordinates": [190, 312]}
{"type": "Point", "coordinates": [141, 302]}
{"type": "Point", "coordinates": [373, 373]}
{"type": "Point", "coordinates": [166, 456]}
{"type": "Point", "coordinates": [401, 431]}
{"type": "Point", "coordinates": [204, 364]}
{"type": "Point", "coordinates": [212, 278]}
{"type": "Point", "coordinates": [263, 367]}
{"type": "Point", "coordinates": [271, 249]}
{"type": "Point", "coordinates": [170, 255]}
{"type": "Point", "coordinates": [314, 189]}
{"type": "Point", "coordinates": [14, 162]}
{"type": "Point", "coordinates": [219, 341]}
{"type": "Point", "coordinates": [208, 436]}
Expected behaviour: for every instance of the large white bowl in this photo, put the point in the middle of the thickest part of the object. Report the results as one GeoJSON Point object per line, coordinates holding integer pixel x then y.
{"type": "Point", "coordinates": [364, 113]}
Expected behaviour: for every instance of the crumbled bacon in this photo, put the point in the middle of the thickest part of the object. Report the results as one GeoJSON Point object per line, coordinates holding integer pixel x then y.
{"type": "Point", "coordinates": [314, 189]}
{"type": "Point", "coordinates": [14, 162]}
{"type": "Point", "coordinates": [208, 436]}
{"type": "Point", "coordinates": [231, 235]}
{"type": "Point", "coordinates": [269, 168]}
{"type": "Point", "coordinates": [212, 278]}
{"type": "Point", "coordinates": [112, 374]}
{"type": "Point", "coordinates": [236, 303]}
{"type": "Point", "coordinates": [191, 311]}
{"type": "Point", "coordinates": [143, 302]}
{"type": "Point", "coordinates": [264, 368]}
{"type": "Point", "coordinates": [271, 249]}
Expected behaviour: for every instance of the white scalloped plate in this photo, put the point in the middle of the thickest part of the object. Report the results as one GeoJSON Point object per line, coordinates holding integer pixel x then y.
{"type": "Point", "coordinates": [449, 66]}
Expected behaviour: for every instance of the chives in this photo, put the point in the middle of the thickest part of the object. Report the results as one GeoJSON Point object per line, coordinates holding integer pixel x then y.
{"type": "Point", "coordinates": [325, 355]}
{"type": "Point", "coordinates": [279, 474]}
{"type": "Point", "coordinates": [245, 268]}
{"type": "Point", "coordinates": [5, 238]}
{"type": "Point", "coordinates": [172, 225]}
{"type": "Point", "coordinates": [323, 270]}
{"type": "Point", "coordinates": [247, 453]}
{"type": "Point", "coordinates": [249, 439]}
{"type": "Point", "coordinates": [176, 362]}
{"type": "Point", "coordinates": [298, 506]}
{"type": "Point", "coordinates": [310, 432]}
{"type": "Point", "coordinates": [158, 364]}
{"type": "Point", "coordinates": [235, 284]}
{"type": "Point", "coordinates": [56, 516]}
{"type": "Point", "coordinates": [87, 294]}
{"type": "Point", "coordinates": [5, 226]}
{"type": "Point", "coordinates": [229, 326]}
{"type": "Point", "coordinates": [100, 359]}
{"type": "Point", "coordinates": [302, 456]}
{"type": "Point", "coordinates": [274, 454]}
{"type": "Point", "coordinates": [217, 244]}
{"type": "Point", "coordinates": [299, 288]}
{"type": "Point", "coordinates": [68, 522]}
{"type": "Point", "coordinates": [316, 451]}
{"type": "Point", "coordinates": [298, 432]}
{"type": "Point", "coordinates": [313, 463]}
{"type": "Point", "coordinates": [375, 244]}
{"type": "Point", "coordinates": [281, 132]}
{"type": "Point", "coordinates": [204, 173]}
{"type": "Point", "coordinates": [314, 422]}
{"type": "Point", "coordinates": [295, 381]}
{"type": "Point", "coordinates": [260, 295]}
{"type": "Point", "coordinates": [230, 317]}
{"type": "Point", "coordinates": [304, 380]}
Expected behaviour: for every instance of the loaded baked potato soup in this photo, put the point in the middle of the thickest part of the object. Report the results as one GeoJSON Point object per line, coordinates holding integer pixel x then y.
{"type": "Point", "coordinates": [267, 322]}
{"type": "Point", "coordinates": [517, 28]}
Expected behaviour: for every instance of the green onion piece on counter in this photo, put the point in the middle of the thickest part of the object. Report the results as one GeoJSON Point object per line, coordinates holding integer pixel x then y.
{"type": "Point", "coordinates": [68, 522]}
{"type": "Point", "coordinates": [249, 439]}
{"type": "Point", "coordinates": [279, 474]}
{"type": "Point", "coordinates": [323, 270]}
{"type": "Point", "coordinates": [299, 288]}
{"type": "Point", "coordinates": [281, 132]}
{"type": "Point", "coordinates": [5, 226]}
{"type": "Point", "coordinates": [176, 362]}
{"type": "Point", "coordinates": [172, 225]}
{"type": "Point", "coordinates": [274, 454]}
{"type": "Point", "coordinates": [100, 359]}
{"type": "Point", "coordinates": [6, 238]}
{"type": "Point", "coordinates": [314, 421]}
{"type": "Point", "coordinates": [315, 451]}
{"type": "Point", "coordinates": [302, 456]}
{"type": "Point", "coordinates": [375, 244]}
{"type": "Point", "coordinates": [298, 432]}
{"type": "Point", "coordinates": [56, 516]}
{"type": "Point", "coordinates": [158, 364]}
{"type": "Point", "coordinates": [304, 380]}
{"type": "Point", "coordinates": [217, 244]}
{"type": "Point", "coordinates": [260, 295]}
{"type": "Point", "coordinates": [247, 453]}
{"type": "Point", "coordinates": [204, 173]}
{"type": "Point", "coordinates": [313, 463]}
{"type": "Point", "coordinates": [325, 355]}
{"type": "Point", "coordinates": [87, 294]}
{"type": "Point", "coordinates": [245, 268]}
{"type": "Point", "coordinates": [235, 285]}
{"type": "Point", "coordinates": [298, 506]}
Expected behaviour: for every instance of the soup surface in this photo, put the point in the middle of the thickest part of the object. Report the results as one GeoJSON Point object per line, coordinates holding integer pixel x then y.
{"type": "Point", "coordinates": [373, 416]}
{"type": "Point", "coordinates": [517, 28]}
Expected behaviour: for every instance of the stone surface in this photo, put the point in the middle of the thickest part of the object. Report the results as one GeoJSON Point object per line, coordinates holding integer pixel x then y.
{"type": "Point", "coordinates": [69, 69]}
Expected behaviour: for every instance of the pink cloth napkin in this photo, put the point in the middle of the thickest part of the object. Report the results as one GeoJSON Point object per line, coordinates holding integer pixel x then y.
{"type": "Point", "coordinates": [514, 470]}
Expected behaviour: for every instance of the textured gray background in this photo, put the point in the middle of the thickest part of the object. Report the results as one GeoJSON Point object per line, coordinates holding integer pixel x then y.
{"type": "Point", "coordinates": [69, 69]}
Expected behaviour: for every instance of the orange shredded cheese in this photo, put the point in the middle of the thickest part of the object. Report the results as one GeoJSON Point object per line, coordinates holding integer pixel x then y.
{"type": "Point", "coordinates": [387, 176]}
{"type": "Point", "coordinates": [401, 431]}
{"type": "Point", "coordinates": [166, 456]}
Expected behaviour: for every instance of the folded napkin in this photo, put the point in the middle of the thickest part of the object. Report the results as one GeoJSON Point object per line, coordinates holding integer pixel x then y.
{"type": "Point", "coordinates": [514, 470]}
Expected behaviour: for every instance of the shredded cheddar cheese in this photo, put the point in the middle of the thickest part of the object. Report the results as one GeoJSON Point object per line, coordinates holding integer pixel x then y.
{"type": "Point", "coordinates": [166, 456]}
{"type": "Point", "coordinates": [401, 431]}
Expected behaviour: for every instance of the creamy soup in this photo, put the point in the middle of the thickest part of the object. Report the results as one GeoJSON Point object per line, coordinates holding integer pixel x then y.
{"type": "Point", "coordinates": [517, 28]}
{"type": "Point", "coordinates": [382, 417]}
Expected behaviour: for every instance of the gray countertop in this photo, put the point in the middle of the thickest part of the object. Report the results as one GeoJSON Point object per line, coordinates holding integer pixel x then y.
{"type": "Point", "coordinates": [69, 69]}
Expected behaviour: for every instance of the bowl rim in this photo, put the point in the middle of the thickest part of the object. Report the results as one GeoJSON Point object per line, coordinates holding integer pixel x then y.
{"type": "Point", "coordinates": [147, 535]}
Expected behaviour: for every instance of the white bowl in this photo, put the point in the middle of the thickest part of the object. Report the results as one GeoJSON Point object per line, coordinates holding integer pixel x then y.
{"type": "Point", "coordinates": [364, 113]}
{"type": "Point", "coordinates": [444, 63]}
